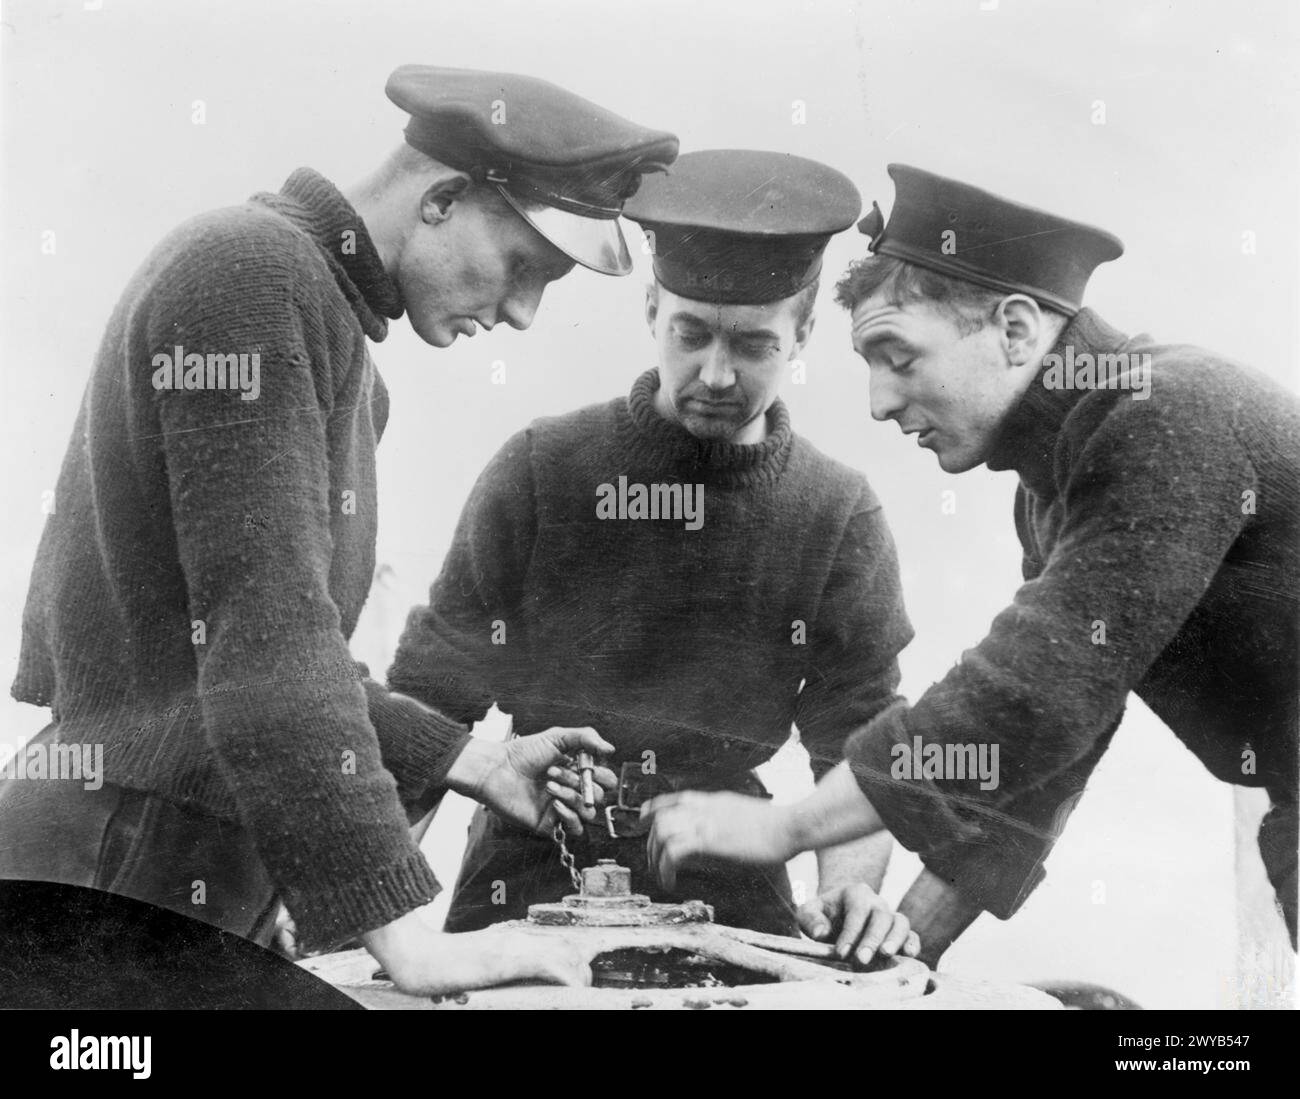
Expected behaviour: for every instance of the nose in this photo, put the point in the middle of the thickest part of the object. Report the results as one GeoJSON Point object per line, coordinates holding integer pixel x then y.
{"type": "Point", "coordinates": [716, 371]}
{"type": "Point", "coordinates": [519, 309]}
{"type": "Point", "coordinates": [886, 401]}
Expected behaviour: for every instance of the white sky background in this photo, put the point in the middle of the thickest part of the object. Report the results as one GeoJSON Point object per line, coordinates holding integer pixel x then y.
{"type": "Point", "coordinates": [1199, 145]}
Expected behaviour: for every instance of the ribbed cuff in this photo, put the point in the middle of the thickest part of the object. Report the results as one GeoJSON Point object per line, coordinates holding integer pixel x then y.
{"type": "Point", "coordinates": [329, 916]}
{"type": "Point", "coordinates": [918, 814]}
{"type": "Point", "coordinates": [994, 865]}
{"type": "Point", "coordinates": [997, 875]}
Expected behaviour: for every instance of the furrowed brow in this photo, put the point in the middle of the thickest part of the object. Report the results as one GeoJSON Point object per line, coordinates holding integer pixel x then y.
{"type": "Point", "coordinates": [882, 341]}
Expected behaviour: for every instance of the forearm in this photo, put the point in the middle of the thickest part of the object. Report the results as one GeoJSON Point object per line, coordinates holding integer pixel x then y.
{"type": "Point", "coordinates": [857, 861]}
{"type": "Point", "coordinates": [419, 745]}
{"type": "Point", "coordinates": [285, 716]}
{"type": "Point", "coordinates": [836, 812]}
{"type": "Point", "coordinates": [310, 787]}
{"type": "Point", "coordinates": [442, 669]}
{"type": "Point", "coordinates": [1057, 665]}
{"type": "Point", "coordinates": [938, 914]}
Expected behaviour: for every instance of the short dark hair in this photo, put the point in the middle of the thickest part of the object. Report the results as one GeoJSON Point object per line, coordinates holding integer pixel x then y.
{"type": "Point", "coordinates": [969, 305]}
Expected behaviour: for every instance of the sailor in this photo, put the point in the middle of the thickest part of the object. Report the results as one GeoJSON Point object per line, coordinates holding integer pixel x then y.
{"type": "Point", "coordinates": [1159, 516]}
{"type": "Point", "coordinates": [195, 589]}
{"type": "Point", "coordinates": [693, 642]}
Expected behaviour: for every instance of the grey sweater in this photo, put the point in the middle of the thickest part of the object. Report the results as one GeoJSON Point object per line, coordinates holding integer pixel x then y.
{"type": "Point", "coordinates": [208, 556]}
{"type": "Point", "coordinates": [702, 645]}
{"type": "Point", "coordinates": [1161, 556]}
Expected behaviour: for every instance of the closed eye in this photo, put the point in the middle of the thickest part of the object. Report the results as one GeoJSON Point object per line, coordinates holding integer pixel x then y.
{"type": "Point", "coordinates": [756, 350]}
{"type": "Point", "coordinates": [691, 336]}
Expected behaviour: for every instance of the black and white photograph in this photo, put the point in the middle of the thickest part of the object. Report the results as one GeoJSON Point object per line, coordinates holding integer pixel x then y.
{"type": "Point", "coordinates": [648, 505]}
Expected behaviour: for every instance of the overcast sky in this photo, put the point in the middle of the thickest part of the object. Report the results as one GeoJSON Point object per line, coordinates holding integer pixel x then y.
{"type": "Point", "coordinates": [1173, 126]}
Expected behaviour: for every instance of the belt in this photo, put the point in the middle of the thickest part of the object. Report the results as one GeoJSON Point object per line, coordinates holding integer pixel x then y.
{"type": "Point", "coordinates": [622, 819]}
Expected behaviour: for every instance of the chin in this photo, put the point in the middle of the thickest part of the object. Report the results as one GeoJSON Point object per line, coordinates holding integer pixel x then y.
{"type": "Point", "coordinates": [956, 463]}
{"type": "Point", "coordinates": [711, 430]}
{"type": "Point", "coordinates": [437, 335]}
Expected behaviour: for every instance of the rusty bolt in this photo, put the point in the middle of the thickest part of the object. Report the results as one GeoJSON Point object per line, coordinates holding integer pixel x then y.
{"type": "Point", "coordinates": [607, 879]}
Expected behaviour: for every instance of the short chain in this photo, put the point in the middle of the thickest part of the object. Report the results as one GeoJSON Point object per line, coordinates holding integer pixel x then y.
{"type": "Point", "coordinates": [566, 858]}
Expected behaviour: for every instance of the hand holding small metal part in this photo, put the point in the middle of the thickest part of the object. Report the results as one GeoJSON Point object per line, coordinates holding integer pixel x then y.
{"type": "Point", "coordinates": [576, 783]}
{"type": "Point", "coordinates": [534, 781]}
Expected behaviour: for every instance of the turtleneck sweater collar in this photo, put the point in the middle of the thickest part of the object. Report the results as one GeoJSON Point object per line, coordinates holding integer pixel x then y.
{"type": "Point", "coordinates": [666, 445]}
{"type": "Point", "coordinates": [1026, 440]}
{"type": "Point", "coordinates": [315, 205]}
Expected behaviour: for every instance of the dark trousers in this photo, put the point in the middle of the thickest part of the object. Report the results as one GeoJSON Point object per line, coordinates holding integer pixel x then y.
{"type": "Point", "coordinates": [505, 869]}
{"type": "Point", "coordinates": [1279, 839]}
{"type": "Point", "coordinates": [136, 844]}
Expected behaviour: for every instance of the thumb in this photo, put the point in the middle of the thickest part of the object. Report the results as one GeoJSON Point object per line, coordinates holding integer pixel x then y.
{"type": "Point", "coordinates": [585, 738]}
{"type": "Point", "coordinates": [812, 918]}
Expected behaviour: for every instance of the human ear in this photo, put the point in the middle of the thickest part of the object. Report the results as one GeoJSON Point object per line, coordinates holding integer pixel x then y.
{"type": "Point", "coordinates": [439, 198]}
{"type": "Point", "coordinates": [651, 305]}
{"type": "Point", "coordinates": [802, 335]}
{"type": "Point", "coordinates": [1020, 321]}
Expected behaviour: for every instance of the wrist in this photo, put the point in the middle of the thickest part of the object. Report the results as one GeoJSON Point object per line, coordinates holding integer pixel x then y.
{"type": "Point", "coordinates": [469, 771]}
{"type": "Point", "coordinates": [938, 914]}
{"type": "Point", "coordinates": [857, 862]}
{"type": "Point", "coordinates": [390, 943]}
{"type": "Point", "coordinates": [835, 876]}
{"type": "Point", "coordinates": [790, 831]}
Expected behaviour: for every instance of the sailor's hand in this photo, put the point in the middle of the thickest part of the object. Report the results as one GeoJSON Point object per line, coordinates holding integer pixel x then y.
{"type": "Point", "coordinates": [533, 781]}
{"type": "Point", "coordinates": [423, 962]}
{"type": "Point", "coordinates": [728, 826]}
{"type": "Point", "coordinates": [860, 922]}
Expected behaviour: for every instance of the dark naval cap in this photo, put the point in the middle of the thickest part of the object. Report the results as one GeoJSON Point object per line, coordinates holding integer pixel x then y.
{"type": "Point", "coordinates": [565, 164]}
{"type": "Point", "coordinates": [960, 230]}
{"type": "Point", "coordinates": [739, 226]}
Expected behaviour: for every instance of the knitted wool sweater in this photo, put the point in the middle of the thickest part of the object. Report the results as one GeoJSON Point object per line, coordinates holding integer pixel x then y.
{"type": "Point", "coordinates": [700, 644]}
{"type": "Point", "coordinates": [208, 556]}
{"type": "Point", "coordinates": [1161, 556]}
